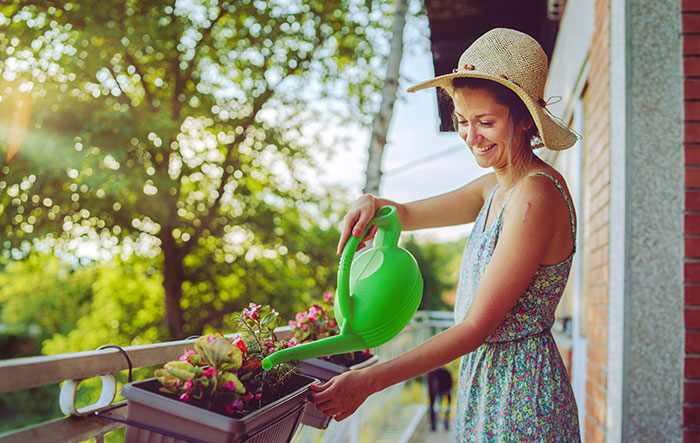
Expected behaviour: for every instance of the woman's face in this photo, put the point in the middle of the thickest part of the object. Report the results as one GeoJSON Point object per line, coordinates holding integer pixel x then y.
{"type": "Point", "coordinates": [486, 127]}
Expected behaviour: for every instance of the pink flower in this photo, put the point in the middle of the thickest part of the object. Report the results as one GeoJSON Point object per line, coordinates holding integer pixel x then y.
{"type": "Point", "coordinates": [327, 296]}
{"type": "Point", "coordinates": [231, 386]}
{"type": "Point", "coordinates": [185, 396]}
{"type": "Point", "coordinates": [210, 373]}
{"type": "Point", "coordinates": [258, 396]}
{"type": "Point", "coordinates": [312, 313]}
{"type": "Point", "coordinates": [236, 405]}
{"type": "Point", "coordinates": [293, 324]}
{"type": "Point", "coordinates": [301, 316]}
{"type": "Point", "coordinates": [292, 342]}
{"type": "Point", "coordinates": [186, 356]}
{"type": "Point", "coordinates": [251, 312]}
{"type": "Point", "coordinates": [187, 385]}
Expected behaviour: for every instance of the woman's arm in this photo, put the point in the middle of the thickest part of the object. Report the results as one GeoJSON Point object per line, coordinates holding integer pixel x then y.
{"type": "Point", "coordinates": [527, 230]}
{"type": "Point", "coordinates": [452, 208]}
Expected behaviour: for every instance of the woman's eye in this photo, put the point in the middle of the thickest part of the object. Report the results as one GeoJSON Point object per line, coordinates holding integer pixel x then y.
{"type": "Point", "coordinates": [487, 124]}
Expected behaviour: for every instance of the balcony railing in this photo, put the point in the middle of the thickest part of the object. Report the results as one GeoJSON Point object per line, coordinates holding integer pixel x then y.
{"type": "Point", "coordinates": [378, 413]}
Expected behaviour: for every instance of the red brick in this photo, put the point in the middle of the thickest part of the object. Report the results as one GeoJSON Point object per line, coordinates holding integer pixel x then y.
{"type": "Point", "coordinates": [691, 415]}
{"type": "Point", "coordinates": [692, 367]}
{"type": "Point", "coordinates": [691, 272]}
{"type": "Point", "coordinates": [692, 245]}
{"type": "Point", "coordinates": [691, 224]}
{"type": "Point", "coordinates": [597, 354]}
{"type": "Point", "coordinates": [692, 109]}
{"type": "Point", "coordinates": [692, 318]}
{"type": "Point", "coordinates": [691, 23]}
{"type": "Point", "coordinates": [691, 45]}
{"type": "Point", "coordinates": [692, 132]}
{"type": "Point", "coordinates": [596, 373]}
{"type": "Point", "coordinates": [594, 432]}
{"type": "Point", "coordinates": [692, 200]}
{"type": "Point", "coordinates": [691, 391]}
{"type": "Point", "coordinates": [692, 177]}
{"type": "Point", "coordinates": [692, 155]}
{"type": "Point", "coordinates": [691, 295]}
{"type": "Point", "coordinates": [691, 66]}
{"type": "Point", "coordinates": [597, 334]}
{"type": "Point", "coordinates": [691, 435]}
{"type": "Point", "coordinates": [692, 342]}
{"type": "Point", "coordinates": [691, 89]}
{"type": "Point", "coordinates": [690, 5]}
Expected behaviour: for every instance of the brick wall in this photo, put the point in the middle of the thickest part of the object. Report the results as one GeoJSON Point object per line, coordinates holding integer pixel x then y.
{"type": "Point", "coordinates": [595, 222]}
{"type": "Point", "coordinates": [691, 68]}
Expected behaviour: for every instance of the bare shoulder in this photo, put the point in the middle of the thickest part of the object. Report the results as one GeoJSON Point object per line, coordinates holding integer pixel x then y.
{"type": "Point", "coordinates": [538, 196]}
{"type": "Point", "coordinates": [485, 183]}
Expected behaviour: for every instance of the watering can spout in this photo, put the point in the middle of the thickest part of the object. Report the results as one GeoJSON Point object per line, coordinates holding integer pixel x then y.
{"type": "Point", "coordinates": [338, 344]}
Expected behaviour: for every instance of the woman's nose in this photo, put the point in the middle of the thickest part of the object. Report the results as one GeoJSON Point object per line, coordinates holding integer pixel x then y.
{"type": "Point", "coordinates": [472, 135]}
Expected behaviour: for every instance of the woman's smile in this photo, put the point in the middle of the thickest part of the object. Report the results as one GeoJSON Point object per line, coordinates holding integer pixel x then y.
{"type": "Point", "coordinates": [481, 150]}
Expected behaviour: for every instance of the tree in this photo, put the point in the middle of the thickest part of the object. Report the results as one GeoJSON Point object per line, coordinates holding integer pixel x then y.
{"type": "Point", "coordinates": [179, 130]}
{"type": "Point", "coordinates": [380, 126]}
{"type": "Point", "coordinates": [439, 264]}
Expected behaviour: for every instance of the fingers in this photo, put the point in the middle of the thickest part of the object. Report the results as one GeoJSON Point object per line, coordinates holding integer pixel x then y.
{"type": "Point", "coordinates": [356, 220]}
{"type": "Point", "coordinates": [318, 388]}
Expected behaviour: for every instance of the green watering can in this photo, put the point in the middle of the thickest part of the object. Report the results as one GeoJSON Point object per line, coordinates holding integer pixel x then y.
{"type": "Point", "coordinates": [378, 294]}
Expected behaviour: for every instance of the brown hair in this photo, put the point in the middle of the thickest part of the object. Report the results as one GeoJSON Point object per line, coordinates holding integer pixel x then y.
{"type": "Point", "coordinates": [504, 97]}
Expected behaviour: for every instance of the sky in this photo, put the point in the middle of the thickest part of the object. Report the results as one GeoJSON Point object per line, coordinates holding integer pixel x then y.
{"type": "Point", "coordinates": [413, 136]}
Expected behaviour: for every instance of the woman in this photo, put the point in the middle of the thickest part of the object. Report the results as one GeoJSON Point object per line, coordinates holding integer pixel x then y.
{"type": "Point", "coordinates": [512, 383]}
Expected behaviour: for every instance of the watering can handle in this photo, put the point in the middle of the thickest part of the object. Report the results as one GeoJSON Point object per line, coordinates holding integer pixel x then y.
{"type": "Point", "coordinates": [387, 220]}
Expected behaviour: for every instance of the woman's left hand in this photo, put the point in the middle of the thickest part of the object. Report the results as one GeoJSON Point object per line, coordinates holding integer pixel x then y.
{"type": "Point", "coordinates": [342, 395]}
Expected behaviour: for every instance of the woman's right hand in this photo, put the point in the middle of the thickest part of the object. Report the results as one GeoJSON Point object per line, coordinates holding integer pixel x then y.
{"type": "Point", "coordinates": [355, 221]}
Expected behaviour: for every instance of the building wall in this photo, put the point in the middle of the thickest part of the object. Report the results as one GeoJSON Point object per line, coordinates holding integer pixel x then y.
{"type": "Point", "coordinates": [596, 234]}
{"type": "Point", "coordinates": [645, 353]}
{"type": "Point", "coordinates": [631, 212]}
{"type": "Point", "coordinates": [691, 72]}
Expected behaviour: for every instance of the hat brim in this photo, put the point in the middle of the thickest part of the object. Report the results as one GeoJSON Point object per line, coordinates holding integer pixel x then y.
{"type": "Point", "coordinates": [554, 135]}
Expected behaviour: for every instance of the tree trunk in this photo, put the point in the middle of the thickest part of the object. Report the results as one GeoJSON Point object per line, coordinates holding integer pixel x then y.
{"type": "Point", "coordinates": [172, 283]}
{"type": "Point", "coordinates": [380, 126]}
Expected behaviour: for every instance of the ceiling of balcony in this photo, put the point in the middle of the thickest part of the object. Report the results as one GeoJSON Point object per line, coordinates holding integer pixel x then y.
{"type": "Point", "coordinates": [455, 24]}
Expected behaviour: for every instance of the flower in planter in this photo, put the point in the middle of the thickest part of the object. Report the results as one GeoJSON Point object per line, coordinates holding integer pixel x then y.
{"type": "Point", "coordinates": [317, 322]}
{"type": "Point", "coordinates": [225, 373]}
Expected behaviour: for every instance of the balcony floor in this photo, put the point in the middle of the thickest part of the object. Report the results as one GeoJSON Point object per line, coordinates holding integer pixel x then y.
{"type": "Point", "coordinates": [423, 433]}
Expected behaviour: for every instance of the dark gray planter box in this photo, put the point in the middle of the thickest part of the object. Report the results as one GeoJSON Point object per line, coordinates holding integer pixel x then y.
{"type": "Point", "coordinates": [324, 371]}
{"type": "Point", "coordinates": [275, 422]}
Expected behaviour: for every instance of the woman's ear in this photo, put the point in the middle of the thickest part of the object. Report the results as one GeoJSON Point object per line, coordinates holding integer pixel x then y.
{"type": "Point", "coordinates": [527, 125]}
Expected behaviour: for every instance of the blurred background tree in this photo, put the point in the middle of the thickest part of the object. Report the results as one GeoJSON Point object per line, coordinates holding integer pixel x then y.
{"type": "Point", "coordinates": [181, 132]}
{"type": "Point", "coordinates": [155, 159]}
{"type": "Point", "coordinates": [439, 264]}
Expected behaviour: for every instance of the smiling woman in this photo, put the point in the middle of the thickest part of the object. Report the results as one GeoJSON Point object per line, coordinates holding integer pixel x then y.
{"type": "Point", "coordinates": [512, 383]}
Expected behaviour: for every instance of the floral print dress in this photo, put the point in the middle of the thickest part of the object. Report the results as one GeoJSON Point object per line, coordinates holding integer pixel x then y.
{"type": "Point", "coordinates": [514, 387]}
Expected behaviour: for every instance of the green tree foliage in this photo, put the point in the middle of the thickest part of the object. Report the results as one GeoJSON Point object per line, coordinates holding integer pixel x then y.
{"type": "Point", "coordinates": [180, 131]}
{"type": "Point", "coordinates": [43, 295]}
{"type": "Point", "coordinates": [39, 296]}
{"type": "Point", "coordinates": [439, 265]}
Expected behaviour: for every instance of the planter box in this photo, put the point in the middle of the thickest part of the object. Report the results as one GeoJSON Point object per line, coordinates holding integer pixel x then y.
{"type": "Point", "coordinates": [170, 420]}
{"type": "Point", "coordinates": [324, 371]}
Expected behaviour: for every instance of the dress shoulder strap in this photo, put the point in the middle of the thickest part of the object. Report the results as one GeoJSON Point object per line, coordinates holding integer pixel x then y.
{"type": "Point", "coordinates": [563, 192]}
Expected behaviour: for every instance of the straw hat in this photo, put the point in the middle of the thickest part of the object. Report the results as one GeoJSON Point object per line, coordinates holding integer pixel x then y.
{"type": "Point", "coordinates": [518, 62]}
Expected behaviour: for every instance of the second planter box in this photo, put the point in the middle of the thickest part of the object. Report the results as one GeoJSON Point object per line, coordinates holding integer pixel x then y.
{"type": "Point", "coordinates": [324, 371]}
